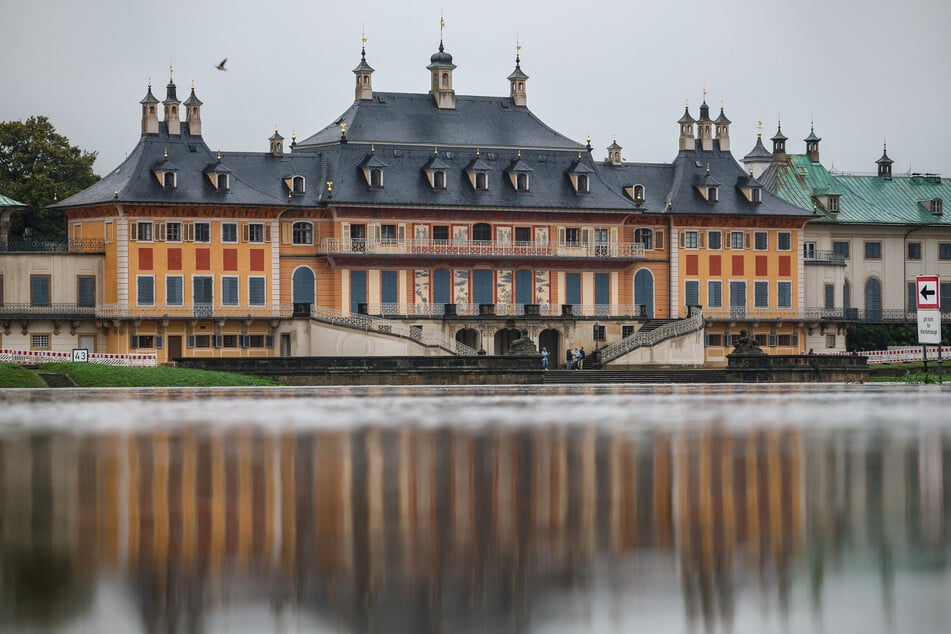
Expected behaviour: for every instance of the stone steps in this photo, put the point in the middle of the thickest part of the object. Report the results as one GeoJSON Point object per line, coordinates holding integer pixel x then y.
{"type": "Point", "coordinates": [647, 375]}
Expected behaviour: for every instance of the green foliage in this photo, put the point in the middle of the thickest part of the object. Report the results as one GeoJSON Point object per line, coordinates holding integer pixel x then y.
{"type": "Point", "coordinates": [880, 336]}
{"type": "Point", "coordinates": [39, 167]}
{"type": "Point", "coordinates": [12, 375]}
{"type": "Point", "coordinates": [96, 375]}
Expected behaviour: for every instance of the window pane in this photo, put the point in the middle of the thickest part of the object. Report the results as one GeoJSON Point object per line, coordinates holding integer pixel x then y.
{"type": "Point", "coordinates": [573, 288]}
{"type": "Point", "coordinates": [40, 290]}
{"type": "Point", "coordinates": [714, 240]}
{"type": "Point", "coordinates": [442, 287]}
{"type": "Point", "coordinates": [784, 241]}
{"type": "Point", "coordinates": [229, 291]}
{"type": "Point", "coordinates": [715, 294]}
{"type": "Point", "coordinates": [761, 294]}
{"type": "Point", "coordinates": [841, 249]}
{"type": "Point", "coordinates": [829, 296]}
{"type": "Point", "coordinates": [873, 250]}
{"type": "Point", "coordinates": [482, 286]}
{"type": "Point", "coordinates": [524, 284]}
{"type": "Point", "coordinates": [602, 288]}
{"type": "Point", "coordinates": [256, 295]}
{"type": "Point", "coordinates": [173, 291]}
{"type": "Point", "coordinates": [784, 292]}
{"type": "Point", "coordinates": [388, 287]}
{"type": "Point", "coordinates": [692, 293]}
{"type": "Point", "coordinates": [229, 232]}
{"type": "Point", "coordinates": [146, 290]}
{"type": "Point", "coordinates": [761, 240]}
{"type": "Point", "coordinates": [203, 293]}
{"type": "Point", "coordinates": [87, 291]}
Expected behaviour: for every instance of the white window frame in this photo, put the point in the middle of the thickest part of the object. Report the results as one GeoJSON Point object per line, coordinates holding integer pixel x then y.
{"type": "Point", "coordinates": [691, 236]}
{"type": "Point", "coordinates": [779, 294]}
{"type": "Point", "coordinates": [718, 233]}
{"type": "Point", "coordinates": [181, 279]}
{"type": "Point", "coordinates": [757, 286]}
{"type": "Point", "coordinates": [742, 241]}
{"type": "Point", "coordinates": [756, 235]}
{"type": "Point", "coordinates": [138, 294]}
{"type": "Point", "coordinates": [168, 231]}
{"type": "Point", "coordinates": [710, 285]}
{"type": "Point", "coordinates": [237, 290]}
{"type": "Point", "coordinates": [263, 284]}
{"type": "Point", "coordinates": [144, 227]}
{"type": "Point", "coordinates": [779, 242]}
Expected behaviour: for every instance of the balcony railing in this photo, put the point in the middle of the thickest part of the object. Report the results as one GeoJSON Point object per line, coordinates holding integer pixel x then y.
{"type": "Point", "coordinates": [824, 257]}
{"type": "Point", "coordinates": [53, 246]}
{"type": "Point", "coordinates": [480, 248]}
{"type": "Point", "coordinates": [193, 311]}
{"type": "Point", "coordinates": [49, 311]}
{"type": "Point", "coordinates": [888, 315]}
{"type": "Point", "coordinates": [505, 310]}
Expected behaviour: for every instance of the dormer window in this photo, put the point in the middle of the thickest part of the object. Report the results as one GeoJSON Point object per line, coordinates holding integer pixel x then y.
{"type": "Point", "coordinates": [376, 178]}
{"type": "Point", "coordinates": [481, 181]}
{"type": "Point", "coordinates": [297, 185]}
{"type": "Point", "coordinates": [439, 179]}
{"type": "Point", "coordinates": [583, 187]}
{"type": "Point", "coordinates": [372, 168]}
{"type": "Point", "coordinates": [223, 183]}
{"type": "Point", "coordinates": [834, 204]}
{"type": "Point", "coordinates": [521, 182]}
{"type": "Point", "coordinates": [936, 207]}
{"type": "Point", "coordinates": [713, 194]}
{"type": "Point", "coordinates": [169, 181]}
{"type": "Point", "coordinates": [638, 193]}
{"type": "Point", "coordinates": [756, 195]}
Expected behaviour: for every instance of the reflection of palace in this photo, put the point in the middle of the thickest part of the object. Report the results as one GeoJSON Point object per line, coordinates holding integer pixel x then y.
{"type": "Point", "coordinates": [438, 529]}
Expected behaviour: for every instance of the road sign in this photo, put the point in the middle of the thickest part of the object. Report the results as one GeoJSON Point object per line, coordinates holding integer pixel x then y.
{"type": "Point", "coordinates": [927, 292]}
{"type": "Point", "coordinates": [80, 355]}
{"type": "Point", "coordinates": [929, 327]}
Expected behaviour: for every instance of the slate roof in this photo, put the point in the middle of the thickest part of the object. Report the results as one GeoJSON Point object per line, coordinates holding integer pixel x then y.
{"type": "Point", "coordinates": [398, 133]}
{"type": "Point", "coordinates": [864, 199]}
{"type": "Point", "coordinates": [759, 152]}
{"type": "Point", "coordinates": [408, 118]}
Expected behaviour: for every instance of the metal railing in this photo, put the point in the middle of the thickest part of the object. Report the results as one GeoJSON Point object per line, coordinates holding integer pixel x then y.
{"type": "Point", "coordinates": [886, 315]}
{"type": "Point", "coordinates": [652, 337]}
{"type": "Point", "coordinates": [907, 354]}
{"type": "Point", "coordinates": [53, 246]}
{"type": "Point", "coordinates": [53, 311]}
{"type": "Point", "coordinates": [193, 311]}
{"type": "Point", "coordinates": [505, 310]}
{"type": "Point", "coordinates": [387, 327]}
{"type": "Point", "coordinates": [351, 246]}
{"type": "Point", "coordinates": [824, 257]}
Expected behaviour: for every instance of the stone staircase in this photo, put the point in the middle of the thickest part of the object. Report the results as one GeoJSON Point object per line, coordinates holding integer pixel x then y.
{"type": "Point", "coordinates": [645, 375]}
{"type": "Point", "coordinates": [654, 324]}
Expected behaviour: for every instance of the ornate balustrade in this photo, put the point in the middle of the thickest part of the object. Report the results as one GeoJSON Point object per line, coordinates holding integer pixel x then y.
{"type": "Point", "coordinates": [505, 310]}
{"type": "Point", "coordinates": [53, 246]}
{"type": "Point", "coordinates": [480, 248]}
{"type": "Point", "coordinates": [652, 337]}
{"type": "Point", "coordinates": [824, 257]}
{"type": "Point", "coordinates": [193, 311]}
{"type": "Point", "coordinates": [51, 311]}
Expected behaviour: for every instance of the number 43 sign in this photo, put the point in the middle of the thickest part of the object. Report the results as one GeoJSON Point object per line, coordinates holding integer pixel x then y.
{"type": "Point", "coordinates": [80, 355]}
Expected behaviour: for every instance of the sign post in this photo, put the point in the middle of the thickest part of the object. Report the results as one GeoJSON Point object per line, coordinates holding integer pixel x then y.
{"type": "Point", "coordinates": [928, 297]}
{"type": "Point", "coordinates": [80, 355]}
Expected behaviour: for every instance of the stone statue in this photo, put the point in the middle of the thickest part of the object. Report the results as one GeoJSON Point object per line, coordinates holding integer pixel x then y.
{"type": "Point", "coordinates": [744, 344]}
{"type": "Point", "coordinates": [523, 345]}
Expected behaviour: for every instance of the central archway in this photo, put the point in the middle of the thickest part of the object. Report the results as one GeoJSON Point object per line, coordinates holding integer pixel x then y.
{"type": "Point", "coordinates": [469, 337]}
{"type": "Point", "coordinates": [551, 339]}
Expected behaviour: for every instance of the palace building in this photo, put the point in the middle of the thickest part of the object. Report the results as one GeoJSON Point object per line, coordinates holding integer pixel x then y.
{"type": "Point", "coordinates": [437, 223]}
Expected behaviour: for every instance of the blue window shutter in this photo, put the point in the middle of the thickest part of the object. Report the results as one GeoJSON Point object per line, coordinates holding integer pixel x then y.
{"type": "Point", "coordinates": [216, 341]}
{"type": "Point", "coordinates": [245, 341]}
{"type": "Point", "coordinates": [191, 341]}
{"type": "Point", "coordinates": [159, 341]}
{"type": "Point", "coordinates": [133, 342]}
{"type": "Point", "coordinates": [269, 341]}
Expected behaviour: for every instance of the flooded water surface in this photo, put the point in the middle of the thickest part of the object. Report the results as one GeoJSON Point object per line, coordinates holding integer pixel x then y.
{"type": "Point", "coordinates": [497, 509]}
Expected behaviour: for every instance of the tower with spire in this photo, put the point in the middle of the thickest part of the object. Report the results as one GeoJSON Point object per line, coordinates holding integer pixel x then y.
{"type": "Point", "coordinates": [193, 113]}
{"type": "Point", "coordinates": [686, 130]}
{"type": "Point", "coordinates": [705, 126]}
{"type": "Point", "coordinates": [779, 142]}
{"type": "Point", "coordinates": [441, 67]}
{"type": "Point", "coordinates": [723, 130]}
{"type": "Point", "coordinates": [517, 80]}
{"type": "Point", "coordinates": [171, 103]}
{"type": "Point", "coordinates": [759, 157]}
{"type": "Point", "coordinates": [884, 164]}
{"type": "Point", "coordinates": [149, 112]}
{"type": "Point", "coordinates": [363, 71]}
{"type": "Point", "coordinates": [812, 144]}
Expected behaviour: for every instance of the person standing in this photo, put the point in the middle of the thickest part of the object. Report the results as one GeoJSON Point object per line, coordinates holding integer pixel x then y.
{"type": "Point", "coordinates": [581, 356]}
{"type": "Point", "coordinates": [545, 358]}
{"type": "Point", "coordinates": [577, 359]}
{"type": "Point", "coordinates": [569, 357]}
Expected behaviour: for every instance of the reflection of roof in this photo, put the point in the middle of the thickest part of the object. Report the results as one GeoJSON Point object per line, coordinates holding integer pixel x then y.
{"type": "Point", "coordinates": [864, 199]}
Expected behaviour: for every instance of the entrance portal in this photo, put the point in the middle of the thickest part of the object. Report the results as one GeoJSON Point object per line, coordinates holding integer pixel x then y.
{"type": "Point", "coordinates": [551, 339]}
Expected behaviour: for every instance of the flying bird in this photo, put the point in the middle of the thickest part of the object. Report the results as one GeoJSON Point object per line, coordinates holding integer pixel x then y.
{"type": "Point", "coordinates": [221, 66]}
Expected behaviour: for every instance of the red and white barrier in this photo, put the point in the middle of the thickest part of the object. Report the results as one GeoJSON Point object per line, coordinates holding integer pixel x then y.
{"type": "Point", "coordinates": [907, 354]}
{"type": "Point", "coordinates": [27, 357]}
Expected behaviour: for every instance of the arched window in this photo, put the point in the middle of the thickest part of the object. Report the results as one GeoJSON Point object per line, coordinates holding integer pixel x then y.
{"type": "Point", "coordinates": [222, 182]}
{"type": "Point", "coordinates": [873, 299]}
{"type": "Point", "coordinates": [644, 292]}
{"type": "Point", "coordinates": [303, 233]}
{"type": "Point", "coordinates": [298, 184]}
{"type": "Point", "coordinates": [638, 193]}
{"type": "Point", "coordinates": [445, 80]}
{"type": "Point", "coordinates": [376, 177]}
{"type": "Point", "coordinates": [482, 232]}
{"type": "Point", "coordinates": [442, 287]}
{"type": "Point", "coordinates": [524, 286]}
{"type": "Point", "coordinates": [712, 194]}
{"type": "Point", "coordinates": [439, 179]}
{"type": "Point", "coordinates": [481, 181]}
{"type": "Point", "coordinates": [521, 182]}
{"type": "Point", "coordinates": [168, 180]}
{"type": "Point", "coordinates": [645, 237]}
{"type": "Point", "coordinates": [302, 290]}
{"type": "Point", "coordinates": [151, 109]}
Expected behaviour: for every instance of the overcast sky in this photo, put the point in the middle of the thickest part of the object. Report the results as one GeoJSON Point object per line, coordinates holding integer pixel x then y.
{"type": "Point", "coordinates": [866, 70]}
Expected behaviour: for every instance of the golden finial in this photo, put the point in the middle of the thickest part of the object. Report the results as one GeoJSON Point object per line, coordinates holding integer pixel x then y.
{"type": "Point", "coordinates": [442, 25]}
{"type": "Point", "coordinates": [518, 47]}
{"type": "Point", "coordinates": [708, 168]}
{"type": "Point", "coordinates": [330, 186]}
{"type": "Point", "coordinates": [759, 129]}
{"type": "Point", "coordinates": [478, 152]}
{"type": "Point", "coordinates": [150, 83]}
{"type": "Point", "coordinates": [193, 84]}
{"type": "Point", "coordinates": [686, 104]}
{"type": "Point", "coordinates": [219, 156]}
{"type": "Point", "coordinates": [363, 38]}
{"type": "Point", "coordinates": [436, 151]}
{"type": "Point", "coordinates": [519, 153]}
{"type": "Point", "coordinates": [373, 148]}
{"type": "Point", "coordinates": [579, 155]}
{"type": "Point", "coordinates": [166, 154]}
{"type": "Point", "coordinates": [343, 127]}
{"type": "Point", "coordinates": [721, 104]}
{"type": "Point", "coordinates": [170, 73]}
{"type": "Point", "coordinates": [588, 139]}
{"type": "Point", "coordinates": [704, 93]}
{"type": "Point", "coordinates": [116, 193]}
{"type": "Point", "coordinates": [293, 137]}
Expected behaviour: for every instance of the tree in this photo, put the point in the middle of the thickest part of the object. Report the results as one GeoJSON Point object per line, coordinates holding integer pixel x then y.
{"type": "Point", "coordinates": [39, 167]}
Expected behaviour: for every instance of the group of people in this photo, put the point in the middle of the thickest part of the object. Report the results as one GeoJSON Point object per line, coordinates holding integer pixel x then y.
{"type": "Point", "coordinates": [574, 359]}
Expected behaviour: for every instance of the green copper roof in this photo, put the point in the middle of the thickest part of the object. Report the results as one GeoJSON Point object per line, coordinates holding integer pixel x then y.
{"type": "Point", "coordinates": [903, 200]}
{"type": "Point", "coordinates": [9, 202]}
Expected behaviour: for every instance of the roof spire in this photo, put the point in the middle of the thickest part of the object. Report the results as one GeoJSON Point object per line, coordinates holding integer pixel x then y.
{"type": "Point", "coordinates": [442, 25]}
{"type": "Point", "coordinates": [759, 129]}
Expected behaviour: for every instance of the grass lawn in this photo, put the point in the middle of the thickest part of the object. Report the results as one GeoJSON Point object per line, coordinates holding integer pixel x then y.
{"type": "Point", "coordinates": [12, 375]}
{"type": "Point", "coordinates": [96, 375]}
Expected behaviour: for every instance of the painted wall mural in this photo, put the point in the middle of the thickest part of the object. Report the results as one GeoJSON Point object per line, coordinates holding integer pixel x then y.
{"type": "Point", "coordinates": [503, 292]}
{"type": "Point", "coordinates": [422, 285]}
{"type": "Point", "coordinates": [542, 287]}
{"type": "Point", "coordinates": [460, 286]}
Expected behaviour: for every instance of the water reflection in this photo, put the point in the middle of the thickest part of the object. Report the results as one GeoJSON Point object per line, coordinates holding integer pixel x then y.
{"type": "Point", "coordinates": [567, 526]}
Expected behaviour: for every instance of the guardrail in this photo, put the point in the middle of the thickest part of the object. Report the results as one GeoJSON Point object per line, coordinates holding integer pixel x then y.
{"type": "Point", "coordinates": [30, 357]}
{"type": "Point", "coordinates": [652, 337]}
{"type": "Point", "coordinates": [53, 246]}
{"type": "Point", "coordinates": [505, 310]}
{"type": "Point", "coordinates": [352, 246]}
{"type": "Point", "coordinates": [888, 315]}
{"type": "Point", "coordinates": [193, 311]}
{"type": "Point", "coordinates": [57, 310]}
{"type": "Point", "coordinates": [910, 354]}
{"type": "Point", "coordinates": [395, 328]}
{"type": "Point", "coordinates": [824, 257]}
